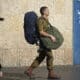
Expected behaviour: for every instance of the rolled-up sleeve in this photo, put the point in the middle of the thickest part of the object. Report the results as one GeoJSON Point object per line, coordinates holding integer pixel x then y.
{"type": "Point", "coordinates": [40, 24]}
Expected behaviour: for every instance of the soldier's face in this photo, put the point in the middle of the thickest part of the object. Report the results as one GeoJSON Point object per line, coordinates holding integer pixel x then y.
{"type": "Point", "coordinates": [46, 12]}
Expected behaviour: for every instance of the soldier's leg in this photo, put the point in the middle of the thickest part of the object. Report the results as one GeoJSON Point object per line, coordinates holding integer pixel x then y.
{"type": "Point", "coordinates": [49, 60]}
{"type": "Point", "coordinates": [38, 59]}
{"type": "Point", "coordinates": [36, 62]}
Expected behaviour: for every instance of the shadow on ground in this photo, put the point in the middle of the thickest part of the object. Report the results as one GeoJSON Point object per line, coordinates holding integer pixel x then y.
{"type": "Point", "coordinates": [66, 73]}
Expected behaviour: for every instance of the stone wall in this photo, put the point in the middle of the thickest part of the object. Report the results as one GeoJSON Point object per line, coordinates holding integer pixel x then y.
{"type": "Point", "coordinates": [14, 50]}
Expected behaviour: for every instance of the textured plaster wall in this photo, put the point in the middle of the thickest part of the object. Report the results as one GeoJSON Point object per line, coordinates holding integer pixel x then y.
{"type": "Point", "coordinates": [14, 50]}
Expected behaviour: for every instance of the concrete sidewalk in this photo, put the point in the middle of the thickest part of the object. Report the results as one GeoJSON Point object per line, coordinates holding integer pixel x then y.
{"type": "Point", "coordinates": [66, 73]}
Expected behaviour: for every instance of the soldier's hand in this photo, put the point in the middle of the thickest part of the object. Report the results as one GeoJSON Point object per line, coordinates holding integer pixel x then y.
{"type": "Point", "coordinates": [53, 38]}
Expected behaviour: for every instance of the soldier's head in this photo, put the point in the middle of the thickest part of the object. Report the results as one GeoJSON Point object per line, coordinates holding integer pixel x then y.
{"type": "Point", "coordinates": [44, 11]}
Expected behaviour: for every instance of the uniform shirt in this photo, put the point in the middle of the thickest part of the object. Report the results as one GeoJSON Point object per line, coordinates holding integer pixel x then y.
{"type": "Point", "coordinates": [42, 24]}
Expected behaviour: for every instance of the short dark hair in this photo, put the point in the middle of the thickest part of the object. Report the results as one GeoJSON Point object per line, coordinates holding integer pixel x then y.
{"type": "Point", "coordinates": [42, 9]}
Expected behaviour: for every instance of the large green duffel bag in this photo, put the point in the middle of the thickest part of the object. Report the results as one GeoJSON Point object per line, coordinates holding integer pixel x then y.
{"type": "Point", "coordinates": [48, 43]}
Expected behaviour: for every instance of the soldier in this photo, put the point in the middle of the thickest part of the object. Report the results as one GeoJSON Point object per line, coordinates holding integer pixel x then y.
{"type": "Point", "coordinates": [42, 24]}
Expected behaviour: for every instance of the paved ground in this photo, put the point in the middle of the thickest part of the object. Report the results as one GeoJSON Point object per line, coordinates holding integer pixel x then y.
{"type": "Point", "coordinates": [66, 73]}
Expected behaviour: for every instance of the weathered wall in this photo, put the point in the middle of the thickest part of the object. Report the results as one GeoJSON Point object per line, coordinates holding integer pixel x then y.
{"type": "Point", "coordinates": [14, 50]}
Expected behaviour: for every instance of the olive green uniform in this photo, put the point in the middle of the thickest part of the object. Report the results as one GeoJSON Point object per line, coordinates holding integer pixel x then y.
{"type": "Point", "coordinates": [43, 51]}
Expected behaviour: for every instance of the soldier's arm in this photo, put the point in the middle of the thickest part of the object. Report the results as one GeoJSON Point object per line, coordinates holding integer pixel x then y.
{"type": "Point", "coordinates": [45, 34]}
{"type": "Point", "coordinates": [41, 24]}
